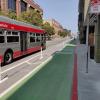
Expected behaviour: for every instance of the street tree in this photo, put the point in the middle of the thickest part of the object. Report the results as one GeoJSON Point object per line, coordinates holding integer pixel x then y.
{"type": "Point", "coordinates": [11, 14]}
{"type": "Point", "coordinates": [48, 29]}
{"type": "Point", "coordinates": [62, 33]}
{"type": "Point", "coordinates": [31, 16]}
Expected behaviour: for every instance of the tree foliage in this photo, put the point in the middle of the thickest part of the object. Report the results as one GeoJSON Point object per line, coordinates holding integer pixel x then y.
{"type": "Point", "coordinates": [64, 33]}
{"type": "Point", "coordinates": [10, 14]}
{"type": "Point", "coordinates": [31, 16]}
{"type": "Point", "coordinates": [48, 29]}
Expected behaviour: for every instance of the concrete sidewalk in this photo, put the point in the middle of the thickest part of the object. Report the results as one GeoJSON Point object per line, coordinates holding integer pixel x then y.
{"type": "Point", "coordinates": [88, 83]}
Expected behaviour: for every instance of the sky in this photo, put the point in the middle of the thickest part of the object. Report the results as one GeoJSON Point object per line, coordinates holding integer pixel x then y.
{"type": "Point", "coordinates": [64, 11]}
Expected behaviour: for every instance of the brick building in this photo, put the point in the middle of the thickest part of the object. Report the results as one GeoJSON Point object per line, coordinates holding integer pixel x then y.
{"type": "Point", "coordinates": [56, 25]}
{"type": "Point", "coordinates": [19, 6]}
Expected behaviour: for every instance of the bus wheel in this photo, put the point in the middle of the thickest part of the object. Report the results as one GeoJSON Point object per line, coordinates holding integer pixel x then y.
{"type": "Point", "coordinates": [8, 57]}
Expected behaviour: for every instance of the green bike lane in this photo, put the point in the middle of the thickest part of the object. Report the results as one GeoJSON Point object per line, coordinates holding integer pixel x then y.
{"type": "Point", "coordinates": [54, 81]}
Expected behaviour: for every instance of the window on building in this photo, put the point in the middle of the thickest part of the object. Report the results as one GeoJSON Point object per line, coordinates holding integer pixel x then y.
{"type": "Point", "coordinates": [12, 5]}
{"type": "Point", "coordinates": [23, 6]}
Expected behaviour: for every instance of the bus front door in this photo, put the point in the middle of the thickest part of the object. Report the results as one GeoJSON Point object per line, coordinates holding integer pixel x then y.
{"type": "Point", "coordinates": [23, 41]}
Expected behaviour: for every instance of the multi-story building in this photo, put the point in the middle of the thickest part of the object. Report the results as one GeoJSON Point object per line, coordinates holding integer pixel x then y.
{"type": "Point", "coordinates": [19, 6]}
{"type": "Point", "coordinates": [90, 24]}
{"type": "Point", "coordinates": [56, 25]}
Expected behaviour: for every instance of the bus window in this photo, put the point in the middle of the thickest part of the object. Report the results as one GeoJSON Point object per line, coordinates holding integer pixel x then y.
{"type": "Point", "coordinates": [8, 33]}
{"type": "Point", "coordinates": [32, 37]}
{"type": "Point", "coordinates": [1, 33]}
{"type": "Point", "coordinates": [12, 36]}
{"type": "Point", "coordinates": [12, 39]}
{"type": "Point", "coordinates": [45, 37]}
{"type": "Point", "coordinates": [42, 37]}
{"type": "Point", "coordinates": [1, 39]}
{"type": "Point", "coordinates": [38, 37]}
{"type": "Point", "coordinates": [14, 33]}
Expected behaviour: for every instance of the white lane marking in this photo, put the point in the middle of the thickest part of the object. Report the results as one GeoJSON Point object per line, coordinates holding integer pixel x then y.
{"type": "Point", "coordinates": [3, 80]}
{"type": "Point", "coordinates": [33, 72]}
{"type": "Point", "coordinates": [58, 52]}
{"type": "Point", "coordinates": [70, 45]}
{"type": "Point", "coordinates": [19, 64]}
{"type": "Point", "coordinates": [28, 63]}
{"type": "Point", "coordinates": [37, 63]}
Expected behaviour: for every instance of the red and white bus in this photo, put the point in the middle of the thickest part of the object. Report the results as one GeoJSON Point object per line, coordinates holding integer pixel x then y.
{"type": "Point", "coordinates": [18, 39]}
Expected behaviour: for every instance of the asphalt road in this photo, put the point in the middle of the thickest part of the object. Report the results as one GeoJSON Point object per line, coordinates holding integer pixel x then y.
{"type": "Point", "coordinates": [52, 82]}
{"type": "Point", "coordinates": [20, 68]}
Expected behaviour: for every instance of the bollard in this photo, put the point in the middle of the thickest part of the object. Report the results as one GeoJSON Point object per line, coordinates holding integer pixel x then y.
{"type": "Point", "coordinates": [41, 56]}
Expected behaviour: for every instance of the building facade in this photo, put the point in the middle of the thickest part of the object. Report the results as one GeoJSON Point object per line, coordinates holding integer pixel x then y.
{"type": "Point", "coordinates": [56, 25]}
{"type": "Point", "coordinates": [81, 21]}
{"type": "Point", "coordinates": [19, 6]}
{"type": "Point", "coordinates": [90, 24]}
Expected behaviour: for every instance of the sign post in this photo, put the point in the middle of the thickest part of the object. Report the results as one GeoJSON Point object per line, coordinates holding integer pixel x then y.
{"type": "Point", "coordinates": [87, 33]}
{"type": "Point", "coordinates": [94, 6]}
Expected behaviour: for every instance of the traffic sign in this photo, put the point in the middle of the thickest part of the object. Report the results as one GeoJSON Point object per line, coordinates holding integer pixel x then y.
{"type": "Point", "coordinates": [94, 6]}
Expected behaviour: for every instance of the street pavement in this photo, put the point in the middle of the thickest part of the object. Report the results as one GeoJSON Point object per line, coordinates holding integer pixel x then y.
{"type": "Point", "coordinates": [18, 69]}
{"type": "Point", "coordinates": [53, 82]}
{"type": "Point", "coordinates": [88, 83]}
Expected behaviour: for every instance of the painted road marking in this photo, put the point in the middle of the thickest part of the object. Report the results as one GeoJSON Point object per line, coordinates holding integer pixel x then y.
{"type": "Point", "coordinates": [25, 78]}
{"type": "Point", "coordinates": [64, 52]}
{"type": "Point", "coordinates": [70, 45]}
{"type": "Point", "coordinates": [28, 63]}
{"type": "Point", "coordinates": [19, 64]}
{"type": "Point", "coordinates": [37, 63]}
{"type": "Point", "coordinates": [3, 80]}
